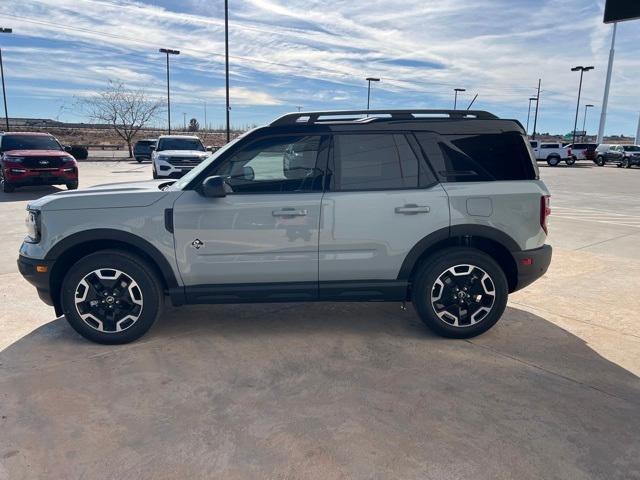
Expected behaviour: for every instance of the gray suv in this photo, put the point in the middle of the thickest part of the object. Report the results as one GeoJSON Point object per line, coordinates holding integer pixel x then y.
{"type": "Point", "coordinates": [441, 208]}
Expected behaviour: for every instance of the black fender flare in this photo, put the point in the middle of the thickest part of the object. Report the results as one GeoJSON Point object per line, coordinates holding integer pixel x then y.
{"type": "Point", "coordinates": [102, 234]}
{"type": "Point", "coordinates": [454, 231]}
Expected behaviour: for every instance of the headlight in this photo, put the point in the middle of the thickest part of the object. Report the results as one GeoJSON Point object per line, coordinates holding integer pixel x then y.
{"type": "Point", "coordinates": [67, 158]}
{"type": "Point", "coordinates": [32, 223]}
{"type": "Point", "coordinates": [163, 157]}
{"type": "Point", "coordinates": [9, 158]}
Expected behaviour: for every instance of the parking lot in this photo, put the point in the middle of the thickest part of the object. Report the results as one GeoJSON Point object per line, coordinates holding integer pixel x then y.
{"type": "Point", "coordinates": [342, 390]}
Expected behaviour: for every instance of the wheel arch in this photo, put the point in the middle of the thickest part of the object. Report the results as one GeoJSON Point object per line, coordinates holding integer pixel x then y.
{"type": "Point", "coordinates": [495, 243]}
{"type": "Point", "coordinates": [71, 249]}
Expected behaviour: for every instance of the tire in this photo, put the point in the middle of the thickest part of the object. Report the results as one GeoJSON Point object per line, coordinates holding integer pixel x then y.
{"type": "Point", "coordinates": [155, 174]}
{"type": "Point", "coordinates": [96, 278]}
{"type": "Point", "coordinates": [570, 161]}
{"type": "Point", "coordinates": [139, 159]}
{"type": "Point", "coordinates": [430, 284]}
{"type": "Point", "coordinates": [600, 161]}
{"type": "Point", "coordinates": [5, 186]}
{"type": "Point", "coordinates": [72, 186]}
{"type": "Point", "coordinates": [553, 161]}
{"type": "Point", "coordinates": [625, 163]}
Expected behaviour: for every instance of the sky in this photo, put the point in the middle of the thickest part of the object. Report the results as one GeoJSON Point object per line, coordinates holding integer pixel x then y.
{"type": "Point", "coordinates": [316, 54]}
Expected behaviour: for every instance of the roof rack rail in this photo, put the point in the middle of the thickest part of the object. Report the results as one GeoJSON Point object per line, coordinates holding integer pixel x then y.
{"type": "Point", "coordinates": [314, 117]}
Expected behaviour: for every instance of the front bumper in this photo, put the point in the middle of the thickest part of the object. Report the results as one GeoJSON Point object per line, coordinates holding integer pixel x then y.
{"type": "Point", "coordinates": [531, 265]}
{"type": "Point", "coordinates": [52, 176]}
{"type": "Point", "coordinates": [166, 170]}
{"type": "Point", "coordinates": [28, 267]}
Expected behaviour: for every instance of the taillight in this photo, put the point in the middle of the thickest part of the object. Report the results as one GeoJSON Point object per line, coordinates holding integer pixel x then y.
{"type": "Point", "coordinates": [545, 211]}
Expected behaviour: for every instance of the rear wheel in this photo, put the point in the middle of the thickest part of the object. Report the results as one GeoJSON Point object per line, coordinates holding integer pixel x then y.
{"type": "Point", "coordinates": [460, 292]}
{"type": "Point", "coordinates": [553, 161]}
{"type": "Point", "coordinates": [139, 159]}
{"type": "Point", "coordinates": [570, 161]}
{"type": "Point", "coordinates": [111, 297]}
{"type": "Point", "coordinates": [600, 161]}
{"type": "Point", "coordinates": [72, 185]}
{"type": "Point", "coordinates": [625, 163]}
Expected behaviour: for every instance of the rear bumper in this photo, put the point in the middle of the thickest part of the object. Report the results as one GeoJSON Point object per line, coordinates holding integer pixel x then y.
{"type": "Point", "coordinates": [40, 280]}
{"type": "Point", "coordinates": [531, 265]}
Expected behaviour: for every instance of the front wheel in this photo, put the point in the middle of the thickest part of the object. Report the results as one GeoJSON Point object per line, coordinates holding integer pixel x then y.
{"type": "Point", "coordinates": [553, 161]}
{"type": "Point", "coordinates": [625, 163]}
{"type": "Point", "coordinates": [460, 292]}
{"type": "Point", "coordinates": [111, 297]}
{"type": "Point", "coordinates": [570, 161]}
{"type": "Point", "coordinates": [600, 161]}
{"type": "Point", "coordinates": [72, 186]}
{"type": "Point", "coordinates": [5, 186]}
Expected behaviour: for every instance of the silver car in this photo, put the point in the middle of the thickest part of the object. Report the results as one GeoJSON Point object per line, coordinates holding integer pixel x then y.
{"type": "Point", "coordinates": [441, 208]}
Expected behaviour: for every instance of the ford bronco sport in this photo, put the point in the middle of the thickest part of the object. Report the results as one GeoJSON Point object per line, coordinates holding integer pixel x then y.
{"type": "Point", "coordinates": [442, 208]}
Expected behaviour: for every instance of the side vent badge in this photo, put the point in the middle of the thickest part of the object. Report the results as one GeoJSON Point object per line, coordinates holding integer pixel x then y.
{"type": "Point", "coordinates": [197, 244]}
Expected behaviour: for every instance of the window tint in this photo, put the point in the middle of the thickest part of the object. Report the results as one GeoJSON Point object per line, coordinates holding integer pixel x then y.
{"type": "Point", "coordinates": [376, 162]}
{"type": "Point", "coordinates": [549, 145]}
{"type": "Point", "coordinates": [476, 158]}
{"type": "Point", "coordinates": [28, 142]}
{"type": "Point", "coordinates": [279, 164]}
{"type": "Point", "coordinates": [180, 144]}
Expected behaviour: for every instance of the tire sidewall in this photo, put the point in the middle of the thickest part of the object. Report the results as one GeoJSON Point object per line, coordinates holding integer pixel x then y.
{"type": "Point", "coordinates": [553, 161]}
{"type": "Point", "coordinates": [133, 266]}
{"type": "Point", "coordinates": [434, 266]}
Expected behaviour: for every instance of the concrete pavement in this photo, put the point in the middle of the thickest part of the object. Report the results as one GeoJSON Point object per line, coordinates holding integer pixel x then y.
{"type": "Point", "coordinates": [348, 390]}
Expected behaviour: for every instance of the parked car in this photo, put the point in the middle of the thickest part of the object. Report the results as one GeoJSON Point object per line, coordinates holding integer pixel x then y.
{"type": "Point", "coordinates": [28, 158]}
{"type": "Point", "coordinates": [621, 155]}
{"type": "Point", "coordinates": [142, 150]}
{"type": "Point", "coordinates": [440, 207]}
{"type": "Point", "coordinates": [552, 152]}
{"type": "Point", "coordinates": [583, 151]}
{"type": "Point", "coordinates": [175, 155]}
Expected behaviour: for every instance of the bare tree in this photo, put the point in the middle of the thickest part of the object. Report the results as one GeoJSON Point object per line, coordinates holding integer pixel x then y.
{"type": "Point", "coordinates": [126, 110]}
{"type": "Point", "coordinates": [194, 125]}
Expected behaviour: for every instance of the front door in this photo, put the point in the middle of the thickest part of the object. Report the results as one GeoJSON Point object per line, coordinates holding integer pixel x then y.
{"type": "Point", "coordinates": [265, 230]}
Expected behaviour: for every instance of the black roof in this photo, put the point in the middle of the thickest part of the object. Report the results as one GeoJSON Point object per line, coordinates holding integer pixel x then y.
{"type": "Point", "coordinates": [440, 121]}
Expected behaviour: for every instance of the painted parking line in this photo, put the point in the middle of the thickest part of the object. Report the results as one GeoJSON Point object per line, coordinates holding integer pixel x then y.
{"type": "Point", "coordinates": [595, 215]}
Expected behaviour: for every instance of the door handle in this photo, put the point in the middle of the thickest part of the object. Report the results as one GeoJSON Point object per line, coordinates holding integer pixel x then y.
{"type": "Point", "coordinates": [412, 209]}
{"type": "Point", "coordinates": [289, 212]}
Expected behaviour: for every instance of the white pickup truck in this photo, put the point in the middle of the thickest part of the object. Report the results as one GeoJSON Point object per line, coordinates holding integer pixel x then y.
{"type": "Point", "coordinates": [552, 152]}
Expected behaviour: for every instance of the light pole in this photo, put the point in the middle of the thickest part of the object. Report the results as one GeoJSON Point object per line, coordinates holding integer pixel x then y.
{"type": "Point", "coordinates": [226, 63]}
{"type": "Point", "coordinates": [369, 80]}
{"type": "Point", "coordinates": [580, 69]}
{"type": "Point", "coordinates": [584, 120]}
{"type": "Point", "coordinates": [529, 113]}
{"type": "Point", "coordinates": [4, 93]}
{"type": "Point", "coordinates": [184, 121]}
{"type": "Point", "coordinates": [455, 97]}
{"type": "Point", "coordinates": [168, 51]}
{"type": "Point", "coordinates": [535, 116]}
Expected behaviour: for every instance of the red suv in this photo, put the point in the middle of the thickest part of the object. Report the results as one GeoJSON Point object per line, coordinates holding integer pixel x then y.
{"type": "Point", "coordinates": [35, 159]}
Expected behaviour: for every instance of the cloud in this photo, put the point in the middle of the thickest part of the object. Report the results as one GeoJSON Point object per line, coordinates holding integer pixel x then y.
{"type": "Point", "coordinates": [287, 52]}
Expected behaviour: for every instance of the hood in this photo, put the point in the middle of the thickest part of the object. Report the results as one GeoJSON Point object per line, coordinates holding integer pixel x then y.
{"type": "Point", "coordinates": [37, 153]}
{"type": "Point", "coordinates": [184, 153]}
{"type": "Point", "coordinates": [114, 195]}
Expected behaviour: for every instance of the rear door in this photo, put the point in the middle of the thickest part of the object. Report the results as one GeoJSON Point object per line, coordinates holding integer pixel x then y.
{"type": "Point", "coordinates": [382, 199]}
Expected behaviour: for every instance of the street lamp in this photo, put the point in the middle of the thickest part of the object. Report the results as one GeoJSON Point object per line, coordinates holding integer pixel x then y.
{"type": "Point", "coordinates": [4, 94]}
{"type": "Point", "coordinates": [369, 80]}
{"type": "Point", "coordinates": [580, 69]}
{"type": "Point", "coordinates": [529, 112]}
{"type": "Point", "coordinates": [455, 97]}
{"type": "Point", "coordinates": [584, 120]}
{"type": "Point", "coordinates": [168, 51]}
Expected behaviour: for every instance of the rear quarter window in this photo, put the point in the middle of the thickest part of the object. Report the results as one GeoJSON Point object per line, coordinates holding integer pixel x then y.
{"type": "Point", "coordinates": [475, 158]}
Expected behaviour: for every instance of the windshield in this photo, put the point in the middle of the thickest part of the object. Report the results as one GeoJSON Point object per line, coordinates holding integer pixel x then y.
{"type": "Point", "coordinates": [29, 142]}
{"type": "Point", "coordinates": [180, 144]}
{"type": "Point", "coordinates": [631, 148]}
{"type": "Point", "coordinates": [184, 181]}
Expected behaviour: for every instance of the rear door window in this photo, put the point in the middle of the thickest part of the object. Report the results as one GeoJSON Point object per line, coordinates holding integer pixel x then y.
{"type": "Point", "coordinates": [477, 158]}
{"type": "Point", "coordinates": [376, 162]}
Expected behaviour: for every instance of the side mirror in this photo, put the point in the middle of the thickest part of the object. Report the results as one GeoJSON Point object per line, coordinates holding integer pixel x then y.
{"type": "Point", "coordinates": [67, 148]}
{"type": "Point", "coordinates": [152, 147]}
{"type": "Point", "coordinates": [214, 187]}
{"type": "Point", "coordinates": [248, 174]}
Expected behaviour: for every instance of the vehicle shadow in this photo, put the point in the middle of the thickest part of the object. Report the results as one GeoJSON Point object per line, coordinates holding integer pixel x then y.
{"type": "Point", "coordinates": [316, 391]}
{"type": "Point", "coordinates": [29, 193]}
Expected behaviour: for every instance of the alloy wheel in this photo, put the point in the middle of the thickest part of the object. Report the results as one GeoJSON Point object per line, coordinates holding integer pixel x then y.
{"type": "Point", "coordinates": [463, 295]}
{"type": "Point", "coordinates": [108, 300]}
